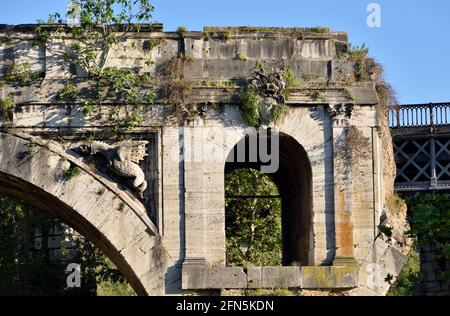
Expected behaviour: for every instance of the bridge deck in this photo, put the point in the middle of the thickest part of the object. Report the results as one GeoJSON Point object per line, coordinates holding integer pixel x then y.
{"type": "Point", "coordinates": [421, 135]}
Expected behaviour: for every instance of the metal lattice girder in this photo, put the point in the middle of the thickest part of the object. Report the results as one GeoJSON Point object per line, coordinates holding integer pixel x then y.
{"type": "Point", "coordinates": [444, 149]}
{"type": "Point", "coordinates": [411, 160]}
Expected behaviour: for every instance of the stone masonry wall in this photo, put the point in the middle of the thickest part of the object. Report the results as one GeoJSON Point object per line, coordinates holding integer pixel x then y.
{"type": "Point", "coordinates": [345, 148]}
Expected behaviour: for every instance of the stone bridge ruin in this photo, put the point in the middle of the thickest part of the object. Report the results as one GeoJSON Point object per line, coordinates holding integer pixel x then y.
{"type": "Point", "coordinates": [335, 164]}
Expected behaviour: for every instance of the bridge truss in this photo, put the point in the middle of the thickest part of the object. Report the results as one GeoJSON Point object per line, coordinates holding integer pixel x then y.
{"type": "Point", "coordinates": [421, 135]}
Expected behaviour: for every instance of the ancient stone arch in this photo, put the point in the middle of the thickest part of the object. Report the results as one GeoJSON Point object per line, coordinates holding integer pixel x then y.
{"type": "Point", "coordinates": [112, 219]}
{"type": "Point", "coordinates": [294, 178]}
{"type": "Point", "coordinates": [332, 112]}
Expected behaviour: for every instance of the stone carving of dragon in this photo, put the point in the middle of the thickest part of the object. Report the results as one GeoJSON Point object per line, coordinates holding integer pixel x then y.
{"type": "Point", "coordinates": [123, 160]}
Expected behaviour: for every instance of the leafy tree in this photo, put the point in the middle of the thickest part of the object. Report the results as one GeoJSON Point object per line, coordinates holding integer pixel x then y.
{"type": "Point", "coordinates": [430, 224]}
{"type": "Point", "coordinates": [253, 221]}
{"type": "Point", "coordinates": [408, 281]}
{"type": "Point", "coordinates": [101, 24]}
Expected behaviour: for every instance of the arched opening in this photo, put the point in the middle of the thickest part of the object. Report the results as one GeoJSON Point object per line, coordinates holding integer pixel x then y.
{"type": "Point", "coordinates": [40, 255]}
{"type": "Point", "coordinates": [293, 178]}
{"type": "Point", "coordinates": [252, 219]}
{"type": "Point", "coordinates": [50, 215]}
{"type": "Point", "coordinates": [114, 221]}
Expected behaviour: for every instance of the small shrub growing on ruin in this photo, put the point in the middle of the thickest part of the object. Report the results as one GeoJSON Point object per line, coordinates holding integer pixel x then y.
{"type": "Point", "coordinates": [88, 107]}
{"type": "Point", "coordinates": [71, 173]}
{"type": "Point", "coordinates": [250, 105]}
{"type": "Point", "coordinates": [181, 29]}
{"type": "Point", "coordinates": [291, 79]}
{"type": "Point", "coordinates": [21, 73]}
{"type": "Point", "coordinates": [319, 29]}
{"type": "Point", "coordinates": [68, 93]}
{"type": "Point", "coordinates": [241, 57]}
{"type": "Point", "coordinates": [7, 106]}
{"type": "Point", "coordinates": [279, 111]}
{"type": "Point", "coordinates": [357, 52]}
{"type": "Point", "coordinates": [121, 206]}
{"type": "Point", "coordinates": [317, 95]}
{"type": "Point", "coordinates": [151, 43]}
{"type": "Point", "coordinates": [386, 231]}
{"type": "Point", "coordinates": [225, 36]}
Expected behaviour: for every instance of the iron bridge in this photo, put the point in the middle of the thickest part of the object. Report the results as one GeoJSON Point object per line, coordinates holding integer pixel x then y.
{"type": "Point", "coordinates": [421, 135]}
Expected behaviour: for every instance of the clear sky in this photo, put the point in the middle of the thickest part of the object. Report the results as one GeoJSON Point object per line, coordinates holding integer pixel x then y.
{"type": "Point", "coordinates": [413, 42]}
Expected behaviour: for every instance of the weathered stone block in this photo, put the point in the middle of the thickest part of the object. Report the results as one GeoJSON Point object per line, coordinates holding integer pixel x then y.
{"type": "Point", "coordinates": [193, 275]}
{"type": "Point", "coordinates": [227, 278]}
{"type": "Point", "coordinates": [280, 277]}
{"type": "Point", "coordinates": [199, 276]}
{"type": "Point", "coordinates": [329, 277]}
{"type": "Point", "coordinates": [254, 277]}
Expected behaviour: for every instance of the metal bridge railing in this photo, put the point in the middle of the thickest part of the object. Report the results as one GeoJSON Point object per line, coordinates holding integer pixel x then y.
{"type": "Point", "coordinates": [419, 115]}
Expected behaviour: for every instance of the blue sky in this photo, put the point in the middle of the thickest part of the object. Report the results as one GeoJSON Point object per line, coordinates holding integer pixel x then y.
{"type": "Point", "coordinates": [413, 42]}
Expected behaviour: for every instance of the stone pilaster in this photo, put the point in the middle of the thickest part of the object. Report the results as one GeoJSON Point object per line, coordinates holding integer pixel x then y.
{"type": "Point", "coordinates": [343, 191]}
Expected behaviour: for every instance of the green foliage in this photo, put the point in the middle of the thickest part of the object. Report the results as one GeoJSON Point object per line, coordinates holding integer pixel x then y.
{"type": "Point", "coordinates": [7, 106]}
{"type": "Point", "coordinates": [181, 29]}
{"type": "Point", "coordinates": [317, 95]}
{"type": "Point", "coordinates": [430, 224]}
{"type": "Point", "coordinates": [99, 23]}
{"type": "Point", "coordinates": [250, 105]}
{"type": "Point", "coordinates": [6, 39]}
{"type": "Point", "coordinates": [68, 93]}
{"type": "Point", "coordinates": [109, 288]}
{"type": "Point", "coordinates": [386, 231]}
{"type": "Point", "coordinates": [124, 87]}
{"type": "Point", "coordinates": [408, 281]}
{"type": "Point", "coordinates": [278, 111]}
{"type": "Point", "coordinates": [291, 79]}
{"type": "Point", "coordinates": [366, 68]}
{"type": "Point", "coordinates": [21, 271]}
{"type": "Point", "coordinates": [241, 57]}
{"type": "Point", "coordinates": [319, 29]}
{"type": "Point", "coordinates": [151, 43]}
{"type": "Point", "coordinates": [357, 52]}
{"type": "Point", "coordinates": [20, 73]}
{"type": "Point", "coordinates": [253, 225]}
{"type": "Point", "coordinates": [89, 106]}
{"type": "Point", "coordinates": [71, 173]}
{"type": "Point", "coordinates": [103, 24]}
{"type": "Point", "coordinates": [225, 36]}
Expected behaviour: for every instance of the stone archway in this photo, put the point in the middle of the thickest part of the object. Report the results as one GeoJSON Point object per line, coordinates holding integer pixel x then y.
{"type": "Point", "coordinates": [112, 219]}
{"type": "Point", "coordinates": [294, 180]}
